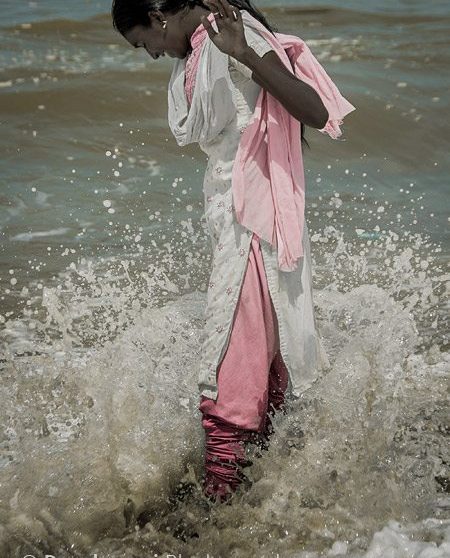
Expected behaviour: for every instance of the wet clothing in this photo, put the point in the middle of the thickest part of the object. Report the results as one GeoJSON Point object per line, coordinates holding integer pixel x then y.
{"type": "Point", "coordinates": [260, 339]}
{"type": "Point", "coordinates": [252, 380]}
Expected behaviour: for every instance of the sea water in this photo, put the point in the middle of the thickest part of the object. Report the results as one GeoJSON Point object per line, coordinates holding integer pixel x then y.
{"type": "Point", "coordinates": [104, 266]}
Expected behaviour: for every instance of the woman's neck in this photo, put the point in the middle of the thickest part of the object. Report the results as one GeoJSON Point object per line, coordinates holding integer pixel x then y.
{"type": "Point", "coordinates": [193, 19]}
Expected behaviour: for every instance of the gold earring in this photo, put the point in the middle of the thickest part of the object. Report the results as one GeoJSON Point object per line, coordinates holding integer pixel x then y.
{"type": "Point", "coordinates": [164, 24]}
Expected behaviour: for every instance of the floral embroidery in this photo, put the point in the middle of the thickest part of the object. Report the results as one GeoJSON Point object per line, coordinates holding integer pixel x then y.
{"type": "Point", "coordinates": [230, 208]}
{"type": "Point", "coordinates": [242, 252]}
{"type": "Point", "coordinates": [219, 170]}
{"type": "Point", "coordinates": [219, 246]}
{"type": "Point", "coordinates": [219, 328]}
{"type": "Point", "coordinates": [211, 284]}
{"type": "Point", "coordinates": [221, 204]}
{"type": "Point", "coordinates": [229, 290]}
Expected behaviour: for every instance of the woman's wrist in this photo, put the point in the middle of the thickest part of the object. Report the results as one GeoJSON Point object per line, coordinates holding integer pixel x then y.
{"type": "Point", "coordinates": [248, 57]}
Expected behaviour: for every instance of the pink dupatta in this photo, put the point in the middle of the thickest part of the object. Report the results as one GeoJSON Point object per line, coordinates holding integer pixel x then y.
{"type": "Point", "coordinates": [268, 182]}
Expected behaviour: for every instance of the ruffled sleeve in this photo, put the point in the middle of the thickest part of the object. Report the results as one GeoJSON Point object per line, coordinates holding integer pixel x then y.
{"type": "Point", "coordinates": [309, 70]}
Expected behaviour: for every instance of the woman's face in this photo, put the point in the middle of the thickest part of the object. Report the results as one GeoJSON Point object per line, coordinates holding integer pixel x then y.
{"type": "Point", "coordinates": [158, 41]}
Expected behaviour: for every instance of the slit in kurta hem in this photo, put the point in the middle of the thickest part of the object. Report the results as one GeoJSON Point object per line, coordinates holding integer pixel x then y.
{"type": "Point", "coordinates": [212, 391]}
{"type": "Point", "coordinates": [261, 271]}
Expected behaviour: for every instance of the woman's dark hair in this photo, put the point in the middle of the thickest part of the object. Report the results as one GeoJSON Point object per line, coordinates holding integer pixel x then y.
{"type": "Point", "coordinates": [126, 14]}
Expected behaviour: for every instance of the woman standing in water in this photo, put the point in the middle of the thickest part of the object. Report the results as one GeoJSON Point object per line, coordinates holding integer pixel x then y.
{"type": "Point", "coordinates": [244, 93]}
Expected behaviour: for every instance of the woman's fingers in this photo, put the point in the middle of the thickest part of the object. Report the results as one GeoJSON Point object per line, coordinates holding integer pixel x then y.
{"type": "Point", "coordinates": [224, 7]}
{"type": "Point", "coordinates": [207, 25]}
{"type": "Point", "coordinates": [224, 15]}
{"type": "Point", "coordinates": [215, 8]}
{"type": "Point", "coordinates": [218, 13]}
{"type": "Point", "coordinates": [228, 10]}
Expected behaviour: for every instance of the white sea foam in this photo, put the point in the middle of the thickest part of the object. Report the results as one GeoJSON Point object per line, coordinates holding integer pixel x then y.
{"type": "Point", "coordinates": [27, 236]}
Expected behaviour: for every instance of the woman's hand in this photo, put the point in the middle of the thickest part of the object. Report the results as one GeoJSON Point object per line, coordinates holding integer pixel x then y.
{"type": "Point", "coordinates": [231, 38]}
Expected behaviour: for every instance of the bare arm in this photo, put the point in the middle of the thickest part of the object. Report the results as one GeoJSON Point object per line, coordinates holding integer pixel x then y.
{"type": "Point", "coordinates": [298, 98]}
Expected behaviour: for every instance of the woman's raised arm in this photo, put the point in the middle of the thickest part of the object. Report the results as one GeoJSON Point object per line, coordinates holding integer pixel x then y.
{"type": "Point", "coordinates": [300, 99]}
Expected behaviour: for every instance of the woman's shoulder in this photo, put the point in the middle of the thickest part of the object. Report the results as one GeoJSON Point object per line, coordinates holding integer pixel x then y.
{"type": "Point", "coordinates": [254, 39]}
{"type": "Point", "coordinates": [254, 32]}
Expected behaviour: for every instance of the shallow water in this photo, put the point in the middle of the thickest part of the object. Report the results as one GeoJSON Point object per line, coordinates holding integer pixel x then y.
{"type": "Point", "coordinates": [104, 264]}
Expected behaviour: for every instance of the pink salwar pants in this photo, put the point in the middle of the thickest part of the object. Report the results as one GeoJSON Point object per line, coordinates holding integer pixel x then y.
{"type": "Point", "coordinates": [251, 382]}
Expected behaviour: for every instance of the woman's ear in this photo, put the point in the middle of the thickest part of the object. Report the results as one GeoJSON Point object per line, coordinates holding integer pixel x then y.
{"type": "Point", "coordinates": [155, 16]}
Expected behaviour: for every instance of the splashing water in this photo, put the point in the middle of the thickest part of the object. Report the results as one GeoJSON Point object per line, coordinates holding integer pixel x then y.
{"type": "Point", "coordinates": [102, 425]}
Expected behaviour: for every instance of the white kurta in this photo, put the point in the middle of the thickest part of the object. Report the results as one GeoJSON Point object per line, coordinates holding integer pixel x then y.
{"type": "Point", "coordinates": [291, 292]}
